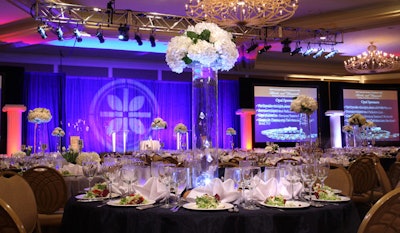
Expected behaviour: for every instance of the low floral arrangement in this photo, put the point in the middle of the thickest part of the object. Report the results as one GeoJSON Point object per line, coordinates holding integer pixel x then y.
{"type": "Point", "coordinates": [303, 104]}
{"type": "Point", "coordinates": [26, 149]}
{"type": "Point", "coordinates": [58, 132]}
{"type": "Point", "coordinates": [70, 155]}
{"type": "Point", "coordinates": [271, 147]}
{"type": "Point", "coordinates": [230, 131]}
{"type": "Point", "coordinates": [180, 128]}
{"type": "Point", "coordinates": [39, 115]}
{"type": "Point", "coordinates": [205, 43]}
{"type": "Point", "coordinates": [158, 123]}
{"type": "Point", "coordinates": [93, 156]}
{"type": "Point", "coordinates": [357, 119]}
{"type": "Point", "coordinates": [347, 129]}
{"type": "Point", "coordinates": [18, 154]}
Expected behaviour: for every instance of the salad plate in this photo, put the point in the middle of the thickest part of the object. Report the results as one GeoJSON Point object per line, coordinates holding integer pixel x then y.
{"type": "Point", "coordinates": [221, 206]}
{"type": "Point", "coordinates": [288, 205]}
{"type": "Point", "coordinates": [117, 203]}
{"type": "Point", "coordinates": [340, 199]}
{"type": "Point", "coordinates": [82, 197]}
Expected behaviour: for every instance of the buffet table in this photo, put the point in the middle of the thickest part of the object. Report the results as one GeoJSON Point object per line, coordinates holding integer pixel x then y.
{"type": "Point", "coordinates": [87, 217]}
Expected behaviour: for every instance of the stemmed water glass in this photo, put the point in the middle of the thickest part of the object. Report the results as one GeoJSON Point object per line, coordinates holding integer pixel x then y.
{"type": "Point", "coordinates": [309, 176]}
{"type": "Point", "coordinates": [251, 178]}
{"type": "Point", "coordinates": [129, 176]}
{"type": "Point", "coordinates": [111, 172]}
{"type": "Point", "coordinates": [179, 180]}
{"type": "Point", "coordinates": [165, 176]}
{"type": "Point", "coordinates": [322, 171]}
{"type": "Point", "coordinates": [292, 175]}
{"type": "Point", "coordinates": [89, 169]}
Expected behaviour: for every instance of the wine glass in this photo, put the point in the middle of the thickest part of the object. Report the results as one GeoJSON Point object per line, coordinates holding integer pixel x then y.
{"type": "Point", "coordinates": [251, 178]}
{"type": "Point", "coordinates": [292, 175]}
{"type": "Point", "coordinates": [110, 172]}
{"type": "Point", "coordinates": [179, 179]}
{"type": "Point", "coordinates": [128, 176]}
{"type": "Point", "coordinates": [165, 177]}
{"type": "Point", "coordinates": [89, 169]}
{"type": "Point", "coordinates": [322, 171]}
{"type": "Point", "coordinates": [309, 176]}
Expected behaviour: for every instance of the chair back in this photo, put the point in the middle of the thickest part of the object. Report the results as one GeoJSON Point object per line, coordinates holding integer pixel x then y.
{"type": "Point", "coordinates": [394, 174]}
{"type": "Point", "coordinates": [9, 220]}
{"type": "Point", "coordinates": [384, 215]}
{"type": "Point", "coordinates": [363, 173]}
{"type": "Point", "coordinates": [340, 178]}
{"type": "Point", "coordinates": [49, 188]}
{"type": "Point", "coordinates": [17, 193]}
{"type": "Point", "coordinates": [383, 178]}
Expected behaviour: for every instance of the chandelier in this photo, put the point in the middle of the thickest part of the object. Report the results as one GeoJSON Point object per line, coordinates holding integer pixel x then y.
{"type": "Point", "coordinates": [372, 61]}
{"type": "Point", "coordinates": [242, 13]}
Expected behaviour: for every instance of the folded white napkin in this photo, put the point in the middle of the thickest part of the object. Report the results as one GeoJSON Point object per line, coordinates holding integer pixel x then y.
{"type": "Point", "coordinates": [73, 169]}
{"type": "Point", "coordinates": [153, 189]}
{"type": "Point", "coordinates": [225, 190]}
{"type": "Point", "coordinates": [272, 187]}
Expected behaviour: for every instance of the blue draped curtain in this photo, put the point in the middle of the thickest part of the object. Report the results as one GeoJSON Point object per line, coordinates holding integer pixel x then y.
{"type": "Point", "coordinates": [106, 111]}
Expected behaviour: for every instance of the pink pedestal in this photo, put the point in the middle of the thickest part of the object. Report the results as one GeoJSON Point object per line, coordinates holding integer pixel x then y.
{"type": "Point", "coordinates": [246, 136]}
{"type": "Point", "coordinates": [14, 127]}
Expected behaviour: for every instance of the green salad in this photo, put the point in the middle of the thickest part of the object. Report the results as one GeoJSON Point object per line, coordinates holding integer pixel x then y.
{"type": "Point", "coordinates": [275, 201]}
{"type": "Point", "coordinates": [207, 201]}
{"type": "Point", "coordinates": [133, 199]}
{"type": "Point", "coordinates": [325, 193]}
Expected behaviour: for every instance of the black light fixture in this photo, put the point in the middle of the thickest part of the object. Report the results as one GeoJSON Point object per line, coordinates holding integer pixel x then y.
{"type": "Point", "coordinates": [152, 40]}
{"type": "Point", "coordinates": [286, 45]}
{"type": "Point", "coordinates": [138, 39]}
{"type": "Point", "coordinates": [297, 49]}
{"type": "Point", "coordinates": [252, 47]}
{"type": "Point", "coordinates": [123, 32]}
{"type": "Point", "coordinates": [42, 32]}
{"type": "Point", "coordinates": [78, 35]}
{"type": "Point", "coordinates": [264, 49]}
{"type": "Point", "coordinates": [318, 53]}
{"type": "Point", "coordinates": [331, 53]}
{"type": "Point", "coordinates": [100, 36]}
{"type": "Point", "coordinates": [60, 34]}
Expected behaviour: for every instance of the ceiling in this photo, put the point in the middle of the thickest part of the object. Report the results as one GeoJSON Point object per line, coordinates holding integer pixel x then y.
{"type": "Point", "coordinates": [360, 21]}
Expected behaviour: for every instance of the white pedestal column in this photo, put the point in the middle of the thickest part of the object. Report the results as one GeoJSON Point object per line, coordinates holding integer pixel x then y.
{"type": "Point", "coordinates": [246, 136]}
{"type": "Point", "coordinates": [14, 127]}
{"type": "Point", "coordinates": [335, 126]}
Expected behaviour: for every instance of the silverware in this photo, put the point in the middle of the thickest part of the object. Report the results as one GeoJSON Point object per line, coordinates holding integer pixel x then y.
{"type": "Point", "coordinates": [145, 207]}
{"type": "Point", "coordinates": [176, 208]}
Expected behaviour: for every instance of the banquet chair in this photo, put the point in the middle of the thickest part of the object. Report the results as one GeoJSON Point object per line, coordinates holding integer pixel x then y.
{"type": "Point", "coordinates": [394, 174]}
{"type": "Point", "coordinates": [384, 216]}
{"type": "Point", "coordinates": [383, 180]}
{"type": "Point", "coordinates": [364, 176]}
{"type": "Point", "coordinates": [50, 192]}
{"type": "Point", "coordinates": [292, 161]}
{"type": "Point", "coordinates": [17, 193]}
{"type": "Point", "coordinates": [340, 178]}
{"type": "Point", "coordinates": [9, 220]}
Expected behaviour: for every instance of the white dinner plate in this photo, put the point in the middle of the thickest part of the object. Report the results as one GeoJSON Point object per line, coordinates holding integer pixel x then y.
{"type": "Point", "coordinates": [342, 199]}
{"type": "Point", "coordinates": [116, 203]}
{"type": "Point", "coordinates": [221, 206]}
{"type": "Point", "coordinates": [289, 205]}
{"type": "Point", "coordinates": [82, 197]}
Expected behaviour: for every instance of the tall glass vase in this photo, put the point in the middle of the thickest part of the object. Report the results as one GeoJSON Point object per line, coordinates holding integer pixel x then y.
{"type": "Point", "coordinates": [357, 139]}
{"type": "Point", "coordinates": [204, 124]}
{"type": "Point", "coordinates": [305, 129]}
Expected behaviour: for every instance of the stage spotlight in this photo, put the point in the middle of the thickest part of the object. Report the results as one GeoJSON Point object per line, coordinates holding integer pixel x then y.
{"type": "Point", "coordinates": [286, 45]}
{"type": "Point", "coordinates": [78, 35]}
{"type": "Point", "coordinates": [308, 52]}
{"type": "Point", "coordinates": [318, 53]}
{"type": "Point", "coordinates": [100, 36]}
{"type": "Point", "coordinates": [252, 47]}
{"type": "Point", "coordinates": [123, 32]}
{"type": "Point", "coordinates": [296, 51]}
{"type": "Point", "coordinates": [264, 49]}
{"type": "Point", "coordinates": [139, 40]}
{"type": "Point", "coordinates": [60, 34]}
{"type": "Point", "coordinates": [152, 40]}
{"type": "Point", "coordinates": [331, 54]}
{"type": "Point", "coordinates": [42, 32]}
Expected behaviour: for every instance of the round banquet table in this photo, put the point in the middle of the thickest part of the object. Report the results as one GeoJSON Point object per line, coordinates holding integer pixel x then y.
{"type": "Point", "coordinates": [87, 217]}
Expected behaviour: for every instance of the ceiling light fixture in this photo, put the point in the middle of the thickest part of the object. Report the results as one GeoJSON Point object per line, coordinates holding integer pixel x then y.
{"type": "Point", "coordinates": [286, 45]}
{"type": "Point", "coordinates": [372, 61]}
{"type": "Point", "coordinates": [252, 47]}
{"type": "Point", "coordinates": [42, 32]}
{"type": "Point", "coordinates": [123, 32]}
{"type": "Point", "coordinates": [138, 39]}
{"type": "Point", "coordinates": [60, 34]}
{"type": "Point", "coordinates": [318, 53]}
{"type": "Point", "coordinates": [331, 53]}
{"type": "Point", "coordinates": [249, 13]}
{"type": "Point", "coordinates": [78, 35]}
{"type": "Point", "coordinates": [296, 50]}
{"type": "Point", "coordinates": [152, 39]}
{"type": "Point", "coordinates": [100, 36]}
{"type": "Point", "coordinates": [264, 49]}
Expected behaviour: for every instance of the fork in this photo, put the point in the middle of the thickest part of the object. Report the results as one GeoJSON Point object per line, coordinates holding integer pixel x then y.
{"type": "Point", "coordinates": [176, 208]}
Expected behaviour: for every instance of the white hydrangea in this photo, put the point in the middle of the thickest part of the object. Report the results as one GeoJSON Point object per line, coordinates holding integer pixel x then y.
{"type": "Point", "coordinates": [304, 104]}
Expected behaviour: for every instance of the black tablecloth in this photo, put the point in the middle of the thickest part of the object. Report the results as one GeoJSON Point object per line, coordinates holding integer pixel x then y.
{"type": "Point", "coordinates": [88, 218]}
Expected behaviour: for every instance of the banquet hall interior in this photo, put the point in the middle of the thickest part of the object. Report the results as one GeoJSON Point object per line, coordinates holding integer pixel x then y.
{"type": "Point", "coordinates": [105, 92]}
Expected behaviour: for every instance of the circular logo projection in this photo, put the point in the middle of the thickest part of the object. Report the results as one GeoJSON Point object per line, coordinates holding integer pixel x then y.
{"type": "Point", "coordinates": [118, 112]}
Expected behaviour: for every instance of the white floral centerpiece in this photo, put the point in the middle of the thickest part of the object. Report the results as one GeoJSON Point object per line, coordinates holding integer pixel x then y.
{"type": "Point", "coordinates": [303, 104]}
{"type": "Point", "coordinates": [158, 123]}
{"type": "Point", "coordinates": [18, 154]}
{"type": "Point", "coordinates": [357, 119]}
{"type": "Point", "coordinates": [92, 156]}
{"type": "Point", "coordinates": [58, 132]}
{"type": "Point", "coordinates": [180, 128]}
{"type": "Point", "coordinates": [205, 43]}
{"type": "Point", "coordinates": [39, 115]}
{"type": "Point", "coordinates": [230, 131]}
